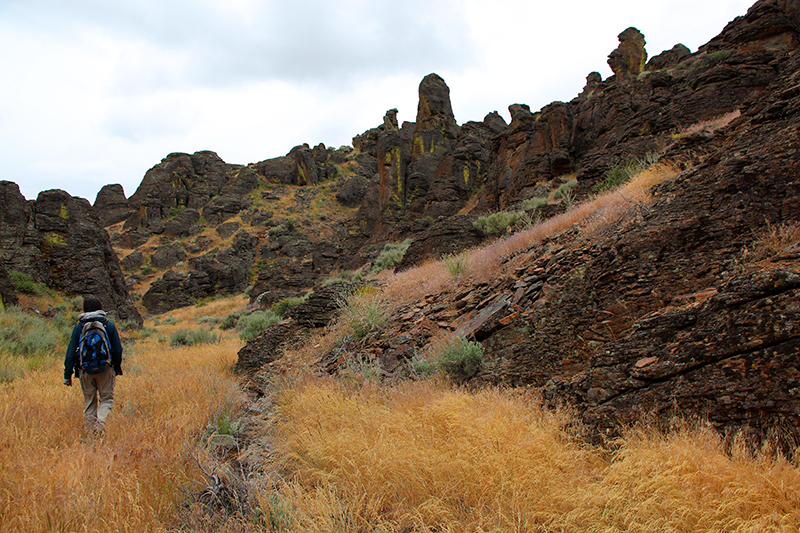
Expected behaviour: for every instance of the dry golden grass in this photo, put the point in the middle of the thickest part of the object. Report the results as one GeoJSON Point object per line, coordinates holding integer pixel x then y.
{"type": "Point", "coordinates": [55, 479]}
{"type": "Point", "coordinates": [773, 241]}
{"type": "Point", "coordinates": [423, 457]}
{"type": "Point", "coordinates": [410, 285]}
{"type": "Point", "coordinates": [218, 307]}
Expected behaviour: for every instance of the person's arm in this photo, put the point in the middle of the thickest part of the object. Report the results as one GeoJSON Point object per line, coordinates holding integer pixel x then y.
{"type": "Point", "coordinates": [69, 358]}
{"type": "Point", "coordinates": [116, 347]}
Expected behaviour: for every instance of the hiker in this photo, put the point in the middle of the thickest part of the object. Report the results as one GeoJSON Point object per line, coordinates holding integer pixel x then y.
{"type": "Point", "coordinates": [95, 354]}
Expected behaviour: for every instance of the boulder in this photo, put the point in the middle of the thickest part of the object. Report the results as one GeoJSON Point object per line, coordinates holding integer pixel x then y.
{"type": "Point", "coordinates": [353, 191]}
{"type": "Point", "coordinates": [451, 235]}
{"type": "Point", "coordinates": [225, 207]}
{"type": "Point", "coordinates": [132, 261]}
{"type": "Point", "coordinates": [668, 58]}
{"type": "Point", "coordinates": [167, 256]}
{"type": "Point", "coordinates": [227, 229]}
{"type": "Point", "coordinates": [184, 224]}
{"type": "Point", "coordinates": [167, 293]}
{"type": "Point", "coordinates": [321, 306]}
{"type": "Point", "coordinates": [111, 206]}
{"type": "Point", "coordinates": [187, 181]}
{"type": "Point", "coordinates": [267, 347]}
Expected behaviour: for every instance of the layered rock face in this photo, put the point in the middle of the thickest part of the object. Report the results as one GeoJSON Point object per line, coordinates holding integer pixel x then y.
{"type": "Point", "coordinates": [666, 312]}
{"type": "Point", "coordinates": [57, 241]}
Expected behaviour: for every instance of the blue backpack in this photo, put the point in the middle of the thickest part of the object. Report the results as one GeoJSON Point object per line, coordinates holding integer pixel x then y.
{"type": "Point", "coordinates": [94, 350]}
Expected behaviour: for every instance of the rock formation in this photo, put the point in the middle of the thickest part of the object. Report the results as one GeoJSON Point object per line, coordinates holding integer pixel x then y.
{"type": "Point", "coordinates": [629, 59]}
{"type": "Point", "coordinates": [57, 241]}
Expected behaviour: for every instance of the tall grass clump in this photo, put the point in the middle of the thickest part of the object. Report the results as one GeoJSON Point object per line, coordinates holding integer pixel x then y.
{"type": "Point", "coordinates": [422, 456]}
{"type": "Point", "coordinates": [772, 241]}
{"type": "Point", "coordinates": [592, 215]}
{"type": "Point", "coordinates": [363, 311]}
{"type": "Point", "coordinates": [624, 172]}
{"type": "Point", "coordinates": [390, 256]}
{"type": "Point", "coordinates": [456, 263]}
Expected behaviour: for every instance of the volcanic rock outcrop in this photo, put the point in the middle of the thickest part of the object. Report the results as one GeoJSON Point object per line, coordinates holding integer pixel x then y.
{"type": "Point", "coordinates": [672, 310]}
{"type": "Point", "coordinates": [57, 241]}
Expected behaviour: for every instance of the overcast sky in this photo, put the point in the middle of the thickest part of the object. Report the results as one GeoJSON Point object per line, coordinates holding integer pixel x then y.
{"type": "Point", "coordinates": [98, 91]}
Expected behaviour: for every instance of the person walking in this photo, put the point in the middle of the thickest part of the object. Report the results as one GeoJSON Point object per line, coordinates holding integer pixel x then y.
{"type": "Point", "coordinates": [95, 355]}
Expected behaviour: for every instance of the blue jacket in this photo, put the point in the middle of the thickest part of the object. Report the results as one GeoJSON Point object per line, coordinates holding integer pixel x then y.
{"type": "Point", "coordinates": [72, 361]}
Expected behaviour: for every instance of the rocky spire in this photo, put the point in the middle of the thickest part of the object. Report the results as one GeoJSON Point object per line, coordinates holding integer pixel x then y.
{"type": "Point", "coordinates": [628, 60]}
{"type": "Point", "coordinates": [435, 121]}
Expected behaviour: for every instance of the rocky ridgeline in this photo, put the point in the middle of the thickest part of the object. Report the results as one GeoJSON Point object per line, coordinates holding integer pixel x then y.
{"type": "Point", "coordinates": [659, 315]}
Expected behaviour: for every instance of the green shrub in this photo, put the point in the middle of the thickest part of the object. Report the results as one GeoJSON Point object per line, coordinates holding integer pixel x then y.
{"type": "Point", "coordinates": [422, 366]}
{"type": "Point", "coordinates": [288, 225]}
{"type": "Point", "coordinates": [249, 326]}
{"type": "Point", "coordinates": [128, 325]}
{"type": "Point", "coordinates": [22, 334]}
{"type": "Point", "coordinates": [459, 359]}
{"type": "Point", "coordinates": [43, 341]}
{"type": "Point", "coordinates": [184, 337]}
{"type": "Point", "coordinates": [496, 223]}
{"type": "Point", "coordinates": [23, 283]}
{"type": "Point", "coordinates": [390, 256]}
{"type": "Point", "coordinates": [146, 332]}
{"type": "Point", "coordinates": [565, 189]}
{"type": "Point", "coordinates": [230, 321]}
{"type": "Point", "coordinates": [170, 321]}
{"type": "Point", "coordinates": [362, 368]}
{"type": "Point", "coordinates": [532, 203]}
{"type": "Point", "coordinates": [281, 307]}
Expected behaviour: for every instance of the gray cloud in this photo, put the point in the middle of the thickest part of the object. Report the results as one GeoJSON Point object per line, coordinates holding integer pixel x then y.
{"type": "Point", "coordinates": [306, 41]}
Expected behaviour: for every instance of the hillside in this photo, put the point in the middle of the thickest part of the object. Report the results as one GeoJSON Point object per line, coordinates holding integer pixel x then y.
{"type": "Point", "coordinates": [682, 301]}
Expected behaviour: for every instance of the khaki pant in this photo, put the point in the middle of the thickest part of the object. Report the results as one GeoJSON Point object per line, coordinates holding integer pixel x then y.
{"type": "Point", "coordinates": [98, 397]}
